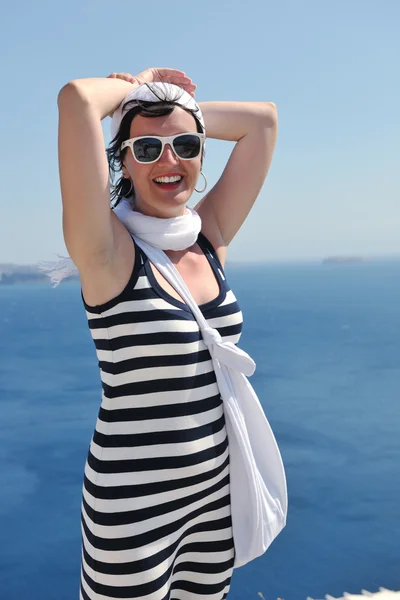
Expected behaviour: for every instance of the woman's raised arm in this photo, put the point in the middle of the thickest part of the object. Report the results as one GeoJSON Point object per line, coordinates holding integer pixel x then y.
{"type": "Point", "coordinates": [84, 174]}
{"type": "Point", "coordinates": [254, 128]}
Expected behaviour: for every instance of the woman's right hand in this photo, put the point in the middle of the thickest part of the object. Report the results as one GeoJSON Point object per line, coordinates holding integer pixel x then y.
{"type": "Point", "coordinates": [164, 74]}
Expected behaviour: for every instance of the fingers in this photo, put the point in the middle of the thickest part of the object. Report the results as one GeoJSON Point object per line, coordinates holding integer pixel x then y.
{"type": "Point", "coordinates": [177, 77]}
{"type": "Point", "coordinates": [125, 76]}
{"type": "Point", "coordinates": [165, 72]}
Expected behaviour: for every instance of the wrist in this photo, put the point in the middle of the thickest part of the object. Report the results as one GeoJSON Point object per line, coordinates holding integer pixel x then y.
{"type": "Point", "coordinates": [101, 94]}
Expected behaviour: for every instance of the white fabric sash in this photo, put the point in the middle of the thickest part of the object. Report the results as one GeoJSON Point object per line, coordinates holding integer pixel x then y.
{"type": "Point", "coordinates": [257, 476]}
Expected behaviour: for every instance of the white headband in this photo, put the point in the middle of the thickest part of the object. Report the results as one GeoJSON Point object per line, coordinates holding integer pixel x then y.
{"type": "Point", "coordinates": [156, 92]}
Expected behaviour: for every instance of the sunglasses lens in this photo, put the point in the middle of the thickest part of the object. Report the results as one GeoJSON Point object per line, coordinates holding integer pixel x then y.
{"type": "Point", "coordinates": [187, 146]}
{"type": "Point", "coordinates": [147, 149]}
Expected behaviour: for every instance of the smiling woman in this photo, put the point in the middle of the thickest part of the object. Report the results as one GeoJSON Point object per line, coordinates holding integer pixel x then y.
{"type": "Point", "coordinates": [156, 505]}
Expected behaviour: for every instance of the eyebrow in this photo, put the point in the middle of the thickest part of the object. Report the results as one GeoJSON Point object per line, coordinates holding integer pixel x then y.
{"type": "Point", "coordinates": [159, 135]}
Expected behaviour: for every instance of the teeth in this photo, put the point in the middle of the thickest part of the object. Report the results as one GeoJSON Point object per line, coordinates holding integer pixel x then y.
{"type": "Point", "coordinates": [173, 179]}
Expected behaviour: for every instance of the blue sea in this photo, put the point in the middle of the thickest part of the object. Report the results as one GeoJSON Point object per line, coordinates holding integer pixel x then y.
{"type": "Point", "coordinates": [326, 340]}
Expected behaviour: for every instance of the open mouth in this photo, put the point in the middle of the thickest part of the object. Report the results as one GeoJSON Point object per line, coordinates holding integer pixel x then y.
{"type": "Point", "coordinates": [171, 181]}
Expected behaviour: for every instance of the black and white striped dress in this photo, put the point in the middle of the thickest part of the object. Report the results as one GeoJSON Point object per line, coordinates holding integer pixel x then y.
{"type": "Point", "coordinates": [156, 520]}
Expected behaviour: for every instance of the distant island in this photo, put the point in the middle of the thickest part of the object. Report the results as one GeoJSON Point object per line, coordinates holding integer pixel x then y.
{"type": "Point", "coordinates": [11, 274]}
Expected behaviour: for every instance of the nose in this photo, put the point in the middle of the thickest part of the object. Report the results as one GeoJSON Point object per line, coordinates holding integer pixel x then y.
{"type": "Point", "coordinates": [168, 155]}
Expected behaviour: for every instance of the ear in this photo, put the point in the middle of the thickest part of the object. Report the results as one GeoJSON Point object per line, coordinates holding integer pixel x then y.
{"type": "Point", "coordinates": [125, 172]}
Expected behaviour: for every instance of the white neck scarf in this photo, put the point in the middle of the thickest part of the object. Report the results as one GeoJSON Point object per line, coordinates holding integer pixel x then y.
{"type": "Point", "coordinates": [176, 233]}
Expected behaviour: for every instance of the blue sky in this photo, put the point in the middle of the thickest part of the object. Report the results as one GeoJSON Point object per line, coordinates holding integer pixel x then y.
{"type": "Point", "coordinates": [331, 68]}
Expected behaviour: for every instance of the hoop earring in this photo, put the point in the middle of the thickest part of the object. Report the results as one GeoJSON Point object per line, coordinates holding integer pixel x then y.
{"type": "Point", "coordinates": [131, 188]}
{"type": "Point", "coordinates": [205, 182]}
{"type": "Point", "coordinates": [129, 191]}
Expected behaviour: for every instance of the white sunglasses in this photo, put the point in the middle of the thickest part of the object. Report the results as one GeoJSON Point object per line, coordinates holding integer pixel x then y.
{"type": "Point", "coordinates": [148, 149]}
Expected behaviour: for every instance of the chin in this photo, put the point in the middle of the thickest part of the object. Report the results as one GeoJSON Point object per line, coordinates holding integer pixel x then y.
{"type": "Point", "coordinates": [164, 203]}
{"type": "Point", "coordinates": [177, 199]}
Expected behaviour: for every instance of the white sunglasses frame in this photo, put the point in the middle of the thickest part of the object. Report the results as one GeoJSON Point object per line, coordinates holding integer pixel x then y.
{"type": "Point", "coordinates": [164, 141]}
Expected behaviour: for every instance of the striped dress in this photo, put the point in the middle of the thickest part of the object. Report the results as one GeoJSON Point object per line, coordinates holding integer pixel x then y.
{"type": "Point", "coordinates": [156, 520]}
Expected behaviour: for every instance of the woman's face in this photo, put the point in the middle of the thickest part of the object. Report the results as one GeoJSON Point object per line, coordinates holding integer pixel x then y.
{"type": "Point", "coordinates": [152, 198]}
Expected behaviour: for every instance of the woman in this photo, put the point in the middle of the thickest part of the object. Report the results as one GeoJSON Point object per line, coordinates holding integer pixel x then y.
{"type": "Point", "coordinates": [156, 514]}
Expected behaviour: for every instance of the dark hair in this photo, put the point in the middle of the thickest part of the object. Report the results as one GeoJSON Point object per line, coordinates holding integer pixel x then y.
{"type": "Point", "coordinates": [166, 104]}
